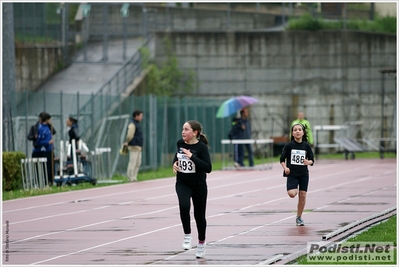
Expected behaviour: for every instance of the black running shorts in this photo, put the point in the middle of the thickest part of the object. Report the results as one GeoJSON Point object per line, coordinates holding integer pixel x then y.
{"type": "Point", "coordinates": [294, 181]}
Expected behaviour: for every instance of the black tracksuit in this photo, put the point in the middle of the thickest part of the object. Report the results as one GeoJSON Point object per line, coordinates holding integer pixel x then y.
{"type": "Point", "coordinates": [295, 153]}
{"type": "Point", "coordinates": [191, 183]}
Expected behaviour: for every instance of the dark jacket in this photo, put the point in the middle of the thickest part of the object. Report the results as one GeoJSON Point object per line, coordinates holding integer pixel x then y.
{"type": "Point", "coordinates": [236, 131]}
{"type": "Point", "coordinates": [246, 133]}
{"type": "Point", "coordinates": [138, 138]}
{"type": "Point", "coordinates": [74, 133]}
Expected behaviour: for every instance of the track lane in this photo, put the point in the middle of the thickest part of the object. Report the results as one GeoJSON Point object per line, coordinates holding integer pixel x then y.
{"type": "Point", "coordinates": [243, 206]}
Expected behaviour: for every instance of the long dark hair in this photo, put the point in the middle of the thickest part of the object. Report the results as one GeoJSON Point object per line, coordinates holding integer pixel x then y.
{"type": "Point", "coordinates": [196, 126]}
{"type": "Point", "coordinates": [44, 116]}
{"type": "Point", "coordinates": [73, 120]}
{"type": "Point", "coordinates": [304, 137]}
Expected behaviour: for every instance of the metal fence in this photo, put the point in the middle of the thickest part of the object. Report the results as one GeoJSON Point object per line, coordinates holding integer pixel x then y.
{"type": "Point", "coordinates": [164, 117]}
{"type": "Point", "coordinates": [42, 22]}
{"type": "Point", "coordinates": [103, 116]}
{"type": "Point", "coordinates": [163, 120]}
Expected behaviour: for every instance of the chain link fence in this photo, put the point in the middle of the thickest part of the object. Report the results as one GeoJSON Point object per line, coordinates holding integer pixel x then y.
{"type": "Point", "coordinates": [103, 116]}
{"type": "Point", "coordinates": [164, 117]}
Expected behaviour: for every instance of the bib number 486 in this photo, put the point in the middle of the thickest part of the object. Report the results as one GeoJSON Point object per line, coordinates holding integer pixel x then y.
{"type": "Point", "coordinates": [297, 156]}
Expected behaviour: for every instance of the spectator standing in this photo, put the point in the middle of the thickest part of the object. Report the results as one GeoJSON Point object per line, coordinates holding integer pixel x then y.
{"type": "Point", "coordinates": [236, 133]}
{"type": "Point", "coordinates": [246, 133]}
{"type": "Point", "coordinates": [44, 144]}
{"type": "Point", "coordinates": [134, 142]}
{"type": "Point", "coordinates": [191, 164]}
{"type": "Point", "coordinates": [73, 132]}
{"type": "Point", "coordinates": [32, 135]}
{"type": "Point", "coordinates": [301, 119]}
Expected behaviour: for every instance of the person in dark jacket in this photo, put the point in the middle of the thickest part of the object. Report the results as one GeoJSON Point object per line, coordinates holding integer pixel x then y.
{"type": "Point", "coordinates": [73, 132]}
{"type": "Point", "coordinates": [236, 133]}
{"type": "Point", "coordinates": [191, 164]}
{"type": "Point", "coordinates": [44, 144]}
{"type": "Point", "coordinates": [245, 133]}
{"type": "Point", "coordinates": [134, 142]}
{"type": "Point", "coordinates": [295, 158]}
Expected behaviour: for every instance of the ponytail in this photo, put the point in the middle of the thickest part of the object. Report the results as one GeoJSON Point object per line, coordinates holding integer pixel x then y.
{"type": "Point", "coordinates": [196, 126]}
{"type": "Point", "coordinates": [204, 139]}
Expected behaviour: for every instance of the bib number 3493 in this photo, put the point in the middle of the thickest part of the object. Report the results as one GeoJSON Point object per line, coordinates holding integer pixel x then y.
{"type": "Point", "coordinates": [297, 157]}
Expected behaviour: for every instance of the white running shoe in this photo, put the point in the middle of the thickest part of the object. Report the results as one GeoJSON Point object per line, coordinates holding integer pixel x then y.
{"type": "Point", "coordinates": [187, 242]}
{"type": "Point", "coordinates": [299, 221]}
{"type": "Point", "coordinates": [200, 250]}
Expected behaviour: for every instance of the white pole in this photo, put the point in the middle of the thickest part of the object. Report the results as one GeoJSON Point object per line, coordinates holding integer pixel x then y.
{"type": "Point", "coordinates": [61, 158]}
{"type": "Point", "coordinates": [68, 149]}
{"type": "Point", "coordinates": [75, 164]}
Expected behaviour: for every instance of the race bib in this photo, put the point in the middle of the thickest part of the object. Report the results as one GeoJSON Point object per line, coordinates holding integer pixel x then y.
{"type": "Point", "coordinates": [185, 164]}
{"type": "Point", "coordinates": [297, 157]}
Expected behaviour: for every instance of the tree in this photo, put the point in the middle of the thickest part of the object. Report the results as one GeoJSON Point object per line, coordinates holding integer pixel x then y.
{"type": "Point", "coordinates": [167, 79]}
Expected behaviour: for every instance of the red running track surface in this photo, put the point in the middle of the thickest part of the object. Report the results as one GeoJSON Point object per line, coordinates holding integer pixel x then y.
{"type": "Point", "coordinates": [250, 217]}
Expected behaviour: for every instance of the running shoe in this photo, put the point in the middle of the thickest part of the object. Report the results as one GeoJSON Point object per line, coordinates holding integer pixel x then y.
{"type": "Point", "coordinates": [200, 250]}
{"type": "Point", "coordinates": [187, 242]}
{"type": "Point", "coordinates": [299, 221]}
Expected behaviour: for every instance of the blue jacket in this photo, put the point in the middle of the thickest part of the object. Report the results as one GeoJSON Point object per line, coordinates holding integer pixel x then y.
{"type": "Point", "coordinates": [43, 138]}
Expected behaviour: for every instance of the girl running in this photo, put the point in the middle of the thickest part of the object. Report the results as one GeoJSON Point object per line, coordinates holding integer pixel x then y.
{"type": "Point", "coordinates": [191, 164]}
{"type": "Point", "coordinates": [294, 159]}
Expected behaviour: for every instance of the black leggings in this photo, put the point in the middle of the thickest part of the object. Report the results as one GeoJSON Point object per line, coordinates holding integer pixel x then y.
{"type": "Point", "coordinates": [198, 193]}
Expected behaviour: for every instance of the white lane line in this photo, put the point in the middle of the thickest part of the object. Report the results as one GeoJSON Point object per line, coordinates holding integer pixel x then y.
{"type": "Point", "coordinates": [90, 225]}
{"type": "Point", "coordinates": [220, 214]}
{"type": "Point", "coordinates": [106, 244]}
{"type": "Point", "coordinates": [124, 203]}
{"type": "Point", "coordinates": [216, 178]}
{"type": "Point", "coordinates": [34, 207]}
{"type": "Point", "coordinates": [280, 220]}
{"type": "Point", "coordinates": [84, 199]}
{"type": "Point", "coordinates": [174, 207]}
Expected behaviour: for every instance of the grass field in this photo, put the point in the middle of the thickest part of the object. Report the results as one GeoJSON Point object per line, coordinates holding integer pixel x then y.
{"type": "Point", "coordinates": [383, 232]}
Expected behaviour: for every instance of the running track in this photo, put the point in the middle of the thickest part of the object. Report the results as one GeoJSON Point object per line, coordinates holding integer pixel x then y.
{"type": "Point", "coordinates": [250, 217]}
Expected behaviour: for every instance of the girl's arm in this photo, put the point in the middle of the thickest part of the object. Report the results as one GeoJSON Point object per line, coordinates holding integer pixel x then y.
{"type": "Point", "coordinates": [203, 161]}
{"type": "Point", "coordinates": [282, 160]}
{"type": "Point", "coordinates": [310, 158]}
{"type": "Point", "coordinates": [286, 169]}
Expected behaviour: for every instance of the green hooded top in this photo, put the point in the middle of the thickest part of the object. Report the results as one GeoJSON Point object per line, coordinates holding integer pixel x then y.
{"type": "Point", "coordinates": [305, 123]}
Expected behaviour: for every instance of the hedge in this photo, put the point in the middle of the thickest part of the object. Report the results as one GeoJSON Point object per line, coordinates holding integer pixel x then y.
{"type": "Point", "coordinates": [12, 176]}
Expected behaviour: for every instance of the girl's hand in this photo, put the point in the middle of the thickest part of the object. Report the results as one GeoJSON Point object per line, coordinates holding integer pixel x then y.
{"type": "Point", "coordinates": [307, 162]}
{"type": "Point", "coordinates": [187, 153]}
{"type": "Point", "coordinates": [175, 167]}
{"type": "Point", "coordinates": [287, 171]}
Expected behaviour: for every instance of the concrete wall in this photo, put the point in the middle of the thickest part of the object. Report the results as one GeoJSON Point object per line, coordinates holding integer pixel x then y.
{"type": "Point", "coordinates": [34, 64]}
{"type": "Point", "coordinates": [386, 9]}
{"type": "Point", "coordinates": [283, 62]}
{"type": "Point", "coordinates": [334, 76]}
{"type": "Point", "coordinates": [161, 17]}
